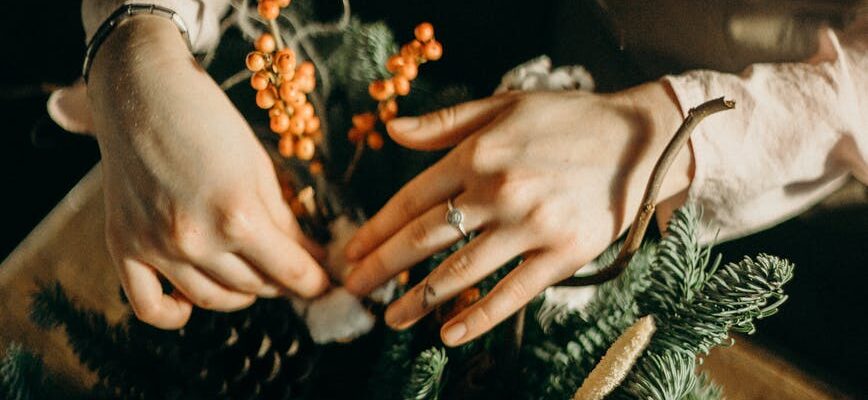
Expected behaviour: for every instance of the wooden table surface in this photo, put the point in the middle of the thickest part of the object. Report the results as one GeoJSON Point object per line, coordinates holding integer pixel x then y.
{"type": "Point", "coordinates": [68, 246]}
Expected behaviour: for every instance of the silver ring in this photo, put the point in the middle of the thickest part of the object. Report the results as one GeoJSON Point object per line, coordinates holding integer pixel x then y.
{"type": "Point", "coordinates": [455, 217]}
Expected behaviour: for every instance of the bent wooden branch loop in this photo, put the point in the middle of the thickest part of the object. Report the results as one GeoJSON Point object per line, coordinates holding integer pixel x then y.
{"type": "Point", "coordinates": [649, 199]}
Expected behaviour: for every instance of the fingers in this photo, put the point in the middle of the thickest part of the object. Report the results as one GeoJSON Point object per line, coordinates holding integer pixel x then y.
{"type": "Point", "coordinates": [432, 187]}
{"type": "Point", "coordinates": [145, 293]}
{"type": "Point", "coordinates": [414, 242]}
{"type": "Point", "coordinates": [463, 269]}
{"type": "Point", "coordinates": [201, 290]}
{"type": "Point", "coordinates": [513, 292]}
{"type": "Point", "coordinates": [237, 274]}
{"type": "Point", "coordinates": [280, 258]}
{"type": "Point", "coordinates": [448, 126]}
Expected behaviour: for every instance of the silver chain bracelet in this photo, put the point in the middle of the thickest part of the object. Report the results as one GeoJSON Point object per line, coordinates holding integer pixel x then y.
{"type": "Point", "coordinates": [123, 12]}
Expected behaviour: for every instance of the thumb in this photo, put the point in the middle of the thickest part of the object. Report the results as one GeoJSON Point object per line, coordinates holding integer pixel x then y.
{"type": "Point", "coordinates": [448, 126]}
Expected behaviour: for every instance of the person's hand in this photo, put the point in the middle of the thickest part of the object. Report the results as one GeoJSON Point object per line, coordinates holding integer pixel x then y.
{"type": "Point", "coordinates": [554, 177]}
{"type": "Point", "coordinates": [191, 196]}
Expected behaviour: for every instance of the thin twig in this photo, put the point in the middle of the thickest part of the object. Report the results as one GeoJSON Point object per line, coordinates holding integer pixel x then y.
{"type": "Point", "coordinates": [324, 29]}
{"type": "Point", "coordinates": [235, 79]}
{"type": "Point", "coordinates": [649, 200]}
{"type": "Point", "coordinates": [357, 156]}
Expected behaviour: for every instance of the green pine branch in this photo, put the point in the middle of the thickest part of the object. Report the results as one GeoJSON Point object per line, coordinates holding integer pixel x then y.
{"type": "Point", "coordinates": [697, 305]}
{"type": "Point", "coordinates": [426, 377]}
{"type": "Point", "coordinates": [21, 375]}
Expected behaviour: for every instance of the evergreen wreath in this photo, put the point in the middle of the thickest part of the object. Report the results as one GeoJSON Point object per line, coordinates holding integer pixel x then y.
{"type": "Point", "coordinates": [670, 305]}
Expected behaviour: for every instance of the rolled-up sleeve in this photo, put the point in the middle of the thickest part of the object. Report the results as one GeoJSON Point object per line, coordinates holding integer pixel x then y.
{"type": "Point", "coordinates": [798, 131]}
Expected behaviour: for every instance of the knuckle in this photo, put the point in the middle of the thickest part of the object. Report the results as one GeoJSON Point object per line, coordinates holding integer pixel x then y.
{"type": "Point", "coordinates": [407, 207]}
{"type": "Point", "coordinates": [460, 268]}
{"type": "Point", "coordinates": [186, 237]}
{"type": "Point", "coordinates": [507, 190]}
{"type": "Point", "coordinates": [444, 118]}
{"type": "Point", "coordinates": [516, 290]}
{"type": "Point", "coordinates": [544, 219]}
{"type": "Point", "coordinates": [236, 224]}
{"type": "Point", "coordinates": [482, 317]}
{"type": "Point", "coordinates": [418, 235]}
{"type": "Point", "coordinates": [475, 157]}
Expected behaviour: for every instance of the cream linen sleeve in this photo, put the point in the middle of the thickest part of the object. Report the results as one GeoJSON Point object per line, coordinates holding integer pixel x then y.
{"type": "Point", "coordinates": [202, 17]}
{"type": "Point", "coordinates": [798, 131]}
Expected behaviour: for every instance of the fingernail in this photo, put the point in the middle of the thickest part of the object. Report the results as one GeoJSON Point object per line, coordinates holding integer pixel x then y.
{"type": "Point", "coordinates": [453, 333]}
{"type": "Point", "coordinates": [392, 318]}
{"type": "Point", "coordinates": [403, 124]}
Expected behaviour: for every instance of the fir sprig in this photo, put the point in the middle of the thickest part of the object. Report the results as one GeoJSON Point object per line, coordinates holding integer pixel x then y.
{"type": "Point", "coordinates": [21, 375]}
{"type": "Point", "coordinates": [426, 377]}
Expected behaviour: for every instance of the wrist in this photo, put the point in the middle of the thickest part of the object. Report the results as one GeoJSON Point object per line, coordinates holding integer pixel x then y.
{"type": "Point", "coordinates": [136, 66]}
{"type": "Point", "coordinates": [656, 104]}
{"type": "Point", "coordinates": [138, 44]}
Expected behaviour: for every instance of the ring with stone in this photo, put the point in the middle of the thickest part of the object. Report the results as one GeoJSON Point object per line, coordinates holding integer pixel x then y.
{"type": "Point", "coordinates": [455, 217]}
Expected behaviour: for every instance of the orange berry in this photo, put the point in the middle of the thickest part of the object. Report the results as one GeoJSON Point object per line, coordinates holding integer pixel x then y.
{"type": "Point", "coordinates": [305, 83]}
{"type": "Point", "coordinates": [260, 80]}
{"type": "Point", "coordinates": [283, 3]}
{"type": "Point", "coordinates": [375, 141]}
{"type": "Point", "coordinates": [290, 94]}
{"type": "Point", "coordinates": [403, 278]}
{"type": "Point", "coordinates": [364, 122]}
{"type": "Point", "coordinates": [296, 125]}
{"type": "Point", "coordinates": [316, 168]}
{"type": "Point", "coordinates": [312, 125]}
{"type": "Point", "coordinates": [433, 50]}
{"type": "Point", "coordinates": [286, 76]}
{"type": "Point", "coordinates": [469, 296]}
{"type": "Point", "coordinates": [268, 9]}
{"type": "Point", "coordinates": [304, 111]}
{"type": "Point", "coordinates": [388, 110]}
{"type": "Point", "coordinates": [279, 123]}
{"type": "Point", "coordinates": [412, 49]}
{"type": "Point", "coordinates": [402, 85]}
{"type": "Point", "coordinates": [306, 68]}
{"type": "Point", "coordinates": [284, 61]}
{"type": "Point", "coordinates": [286, 146]}
{"type": "Point", "coordinates": [381, 90]}
{"type": "Point", "coordinates": [276, 110]}
{"type": "Point", "coordinates": [266, 98]}
{"type": "Point", "coordinates": [315, 135]}
{"type": "Point", "coordinates": [265, 43]}
{"type": "Point", "coordinates": [394, 63]}
{"type": "Point", "coordinates": [424, 32]}
{"type": "Point", "coordinates": [409, 71]}
{"type": "Point", "coordinates": [255, 61]}
{"type": "Point", "coordinates": [304, 148]}
{"type": "Point", "coordinates": [355, 134]}
{"type": "Point", "coordinates": [297, 208]}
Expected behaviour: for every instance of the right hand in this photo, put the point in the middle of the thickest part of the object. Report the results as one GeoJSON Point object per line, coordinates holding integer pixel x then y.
{"type": "Point", "coordinates": [190, 194]}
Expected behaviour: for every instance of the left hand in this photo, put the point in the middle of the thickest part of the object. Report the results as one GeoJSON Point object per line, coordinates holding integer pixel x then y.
{"type": "Point", "coordinates": [554, 177]}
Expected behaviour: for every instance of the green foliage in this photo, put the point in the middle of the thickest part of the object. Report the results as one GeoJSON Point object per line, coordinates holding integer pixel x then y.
{"type": "Point", "coordinates": [704, 389]}
{"type": "Point", "coordinates": [21, 375]}
{"type": "Point", "coordinates": [667, 375]}
{"type": "Point", "coordinates": [426, 376]}
{"type": "Point", "coordinates": [696, 305]}
{"type": "Point", "coordinates": [359, 59]}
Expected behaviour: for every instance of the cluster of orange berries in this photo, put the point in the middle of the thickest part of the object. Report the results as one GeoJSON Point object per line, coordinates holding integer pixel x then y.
{"type": "Point", "coordinates": [404, 68]}
{"type": "Point", "coordinates": [282, 86]}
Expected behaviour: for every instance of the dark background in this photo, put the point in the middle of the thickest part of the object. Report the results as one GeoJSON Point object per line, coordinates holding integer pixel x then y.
{"type": "Point", "coordinates": [820, 328]}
